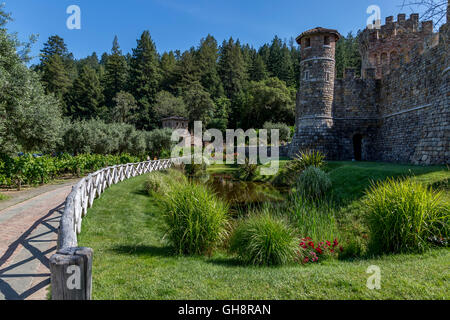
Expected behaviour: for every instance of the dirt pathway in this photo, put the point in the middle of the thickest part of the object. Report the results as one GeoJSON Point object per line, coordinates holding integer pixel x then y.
{"type": "Point", "coordinates": [28, 233]}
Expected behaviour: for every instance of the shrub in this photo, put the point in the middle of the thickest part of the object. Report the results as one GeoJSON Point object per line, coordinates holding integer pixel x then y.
{"type": "Point", "coordinates": [196, 219]}
{"type": "Point", "coordinates": [154, 183]}
{"type": "Point", "coordinates": [247, 171]}
{"type": "Point", "coordinates": [284, 131]}
{"type": "Point", "coordinates": [313, 183]}
{"type": "Point", "coordinates": [403, 215]}
{"type": "Point", "coordinates": [305, 159]}
{"type": "Point", "coordinates": [197, 165]}
{"type": "Point", "coordinates": [288, 175]}
{"type": "Point", "coordinates": [262, 239]}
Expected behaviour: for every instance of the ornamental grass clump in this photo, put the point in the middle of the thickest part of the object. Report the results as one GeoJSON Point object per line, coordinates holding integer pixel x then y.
{"type": "Point", "coordinates": [404, 216]}
{"type": "Point", "coordinates": [196, 219]}
{"type": "Point", "coordinates": [313, 183]}
{"type": "Point", "coordinates": [263, 239]}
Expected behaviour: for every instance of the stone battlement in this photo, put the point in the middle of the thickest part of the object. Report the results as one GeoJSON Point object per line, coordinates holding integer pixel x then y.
{"type": "Point", "coordinates": [383, 49]}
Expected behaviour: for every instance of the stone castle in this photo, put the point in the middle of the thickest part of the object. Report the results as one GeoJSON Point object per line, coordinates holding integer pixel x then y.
{"type": "Point", "coordinates": [397, 111]}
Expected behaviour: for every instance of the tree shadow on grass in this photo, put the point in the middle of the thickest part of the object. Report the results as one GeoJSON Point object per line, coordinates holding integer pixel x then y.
{"type": "Point", "coordinates": [226, 262]}
{"type": "Point", "coordinates": [150, 251]}
{"type": "Point", "coordinates": [140, 192]}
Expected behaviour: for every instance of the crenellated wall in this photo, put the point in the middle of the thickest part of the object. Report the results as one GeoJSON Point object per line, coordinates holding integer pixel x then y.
{"type": "Point", "coordinates": [398, 111]}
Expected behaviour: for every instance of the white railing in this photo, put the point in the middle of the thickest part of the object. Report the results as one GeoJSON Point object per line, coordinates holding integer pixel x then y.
{"type": "Point", "coordinates": [76, 206]}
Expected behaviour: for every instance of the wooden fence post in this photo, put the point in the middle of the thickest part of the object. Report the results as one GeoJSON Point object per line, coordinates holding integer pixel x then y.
{"type": "Point", "coordinates": [71, 274]}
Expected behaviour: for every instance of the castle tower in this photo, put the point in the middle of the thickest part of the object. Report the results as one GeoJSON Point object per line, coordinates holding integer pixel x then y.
{"type": "Point", "coordinates": [315, 97]}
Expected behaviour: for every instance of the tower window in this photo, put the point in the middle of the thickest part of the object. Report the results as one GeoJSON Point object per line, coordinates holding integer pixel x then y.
{"type": "Point", "coordinates": [306, 77]}
{"type": "Point", "coordinates": [308, 42]}
{"type": "Point", "coordinates": [326, 41]}
{"type": "Point", "coordinates": [327, 76]}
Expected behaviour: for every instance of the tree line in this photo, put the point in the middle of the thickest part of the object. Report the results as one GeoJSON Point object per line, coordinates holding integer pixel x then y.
{"type": "Point", "coordinates": [231, 85]}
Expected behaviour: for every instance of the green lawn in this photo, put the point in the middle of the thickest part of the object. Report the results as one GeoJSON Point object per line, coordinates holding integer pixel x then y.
{"type": "Point", "coordinates": [132, 261]}
{"type": "Point", "coordinates": [3, 197]}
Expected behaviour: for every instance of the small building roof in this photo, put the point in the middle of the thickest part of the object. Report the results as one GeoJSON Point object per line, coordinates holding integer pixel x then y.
{"type": "Point", "coordinates": [318, 30]}
{"type": "Point", "coordinates": [175, 118]}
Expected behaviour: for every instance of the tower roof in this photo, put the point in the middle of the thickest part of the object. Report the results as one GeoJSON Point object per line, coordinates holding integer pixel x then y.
{"type": "Point", "coordinates": [318, 30]}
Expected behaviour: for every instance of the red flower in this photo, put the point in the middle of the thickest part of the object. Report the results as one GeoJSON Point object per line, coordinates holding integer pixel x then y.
{"type": "Point", "coordinates": [311, 244]}
{"type": "Point", "coordinates": [306, 260]}
{"type": "Point", "coordinates": [319, 250]}
{"type": "Point", "coordinates": [340, 248]}
{"type": "Point", "coordinates": [328, 243]}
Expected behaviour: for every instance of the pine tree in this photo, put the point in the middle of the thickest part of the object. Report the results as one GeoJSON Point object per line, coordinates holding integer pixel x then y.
{"type": "Point", "coordinates": [258, 70]}
{"type": "Point", "coordinates": [57, 68]}
{"type": "Point", "coordinates": [55, 77]}
{"type": "Point", "coordinates": [145, 77]}
{"type": "Point", "coordinates": [116, 71]}
{"type": "Point", "coordinates": [86, 97]}
{"type": "Point", "coordinates": [168, 65]}
{"type": "Point", "coordinates": [186, 71]}
{"type": "Point", "coordinates": [207, 56]}
{"type": "Point", "coordinates": [231, 68]}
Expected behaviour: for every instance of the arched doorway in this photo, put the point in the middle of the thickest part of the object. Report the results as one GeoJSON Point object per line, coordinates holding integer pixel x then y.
{"type": "Point", "coordinates": [357, 147]}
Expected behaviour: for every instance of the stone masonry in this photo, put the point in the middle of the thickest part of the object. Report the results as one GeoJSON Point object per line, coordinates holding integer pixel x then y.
{"type": "Point", "coordinates": [398, 111]}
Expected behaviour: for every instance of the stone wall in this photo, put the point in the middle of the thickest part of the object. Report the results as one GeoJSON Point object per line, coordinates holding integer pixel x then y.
{"type": "Point", "coordinates": [414, 108]}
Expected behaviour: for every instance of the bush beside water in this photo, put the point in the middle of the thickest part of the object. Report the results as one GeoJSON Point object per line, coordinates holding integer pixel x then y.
{"type": "Point", "coordinates": [196, 219]}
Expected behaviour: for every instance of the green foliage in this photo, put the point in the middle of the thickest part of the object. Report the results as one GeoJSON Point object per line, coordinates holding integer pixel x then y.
{"type": "Point", "coordinates": [29, 119]}
{"type": "Point", "coordinates": [348, 55]}
{"type": "Point", "coordinates": [124, 108]}
{"type": "Point", "coordinates": [262, 239]}
{"type": "Point", "coordinates": [313, 183]}
{"type": "Point", "coordinates": [247, 171]}
{"type": "Point", "coordinates": [267, 100]}
{"type": "Point", "coordinates": [313, 219]}
{"type": "Point", "coordinates": [31, 170]}
{"type": "Point", "coordinates": [145, 77]}
{"type": "Point", "coordinates": [197, 165]}
{"type": "Point", "coordinates": [158, 141]}
{"type": "Point", "coordinates": [167, 105]}
{"type": "Point", "coordinates": [304, 159]}
{"type": "Point", "coordinates": [116, 73]}
{"type": "Point", "coordinates": [284, 131]}
{"type": "Point", "coordinates": [196, 219]}
{"type": "Point", "coordinates": [206, 59]}
{"type": "Point", "coordinates": [154, 183]}
{"type": "Point", "coordinates": [199, 104]}
{"type": "Point", "coordinates": [231, 68]}
{"type": "Point", "coordinates": [403, 215]}
{"type": "Point", "coordinates": [86, 95]}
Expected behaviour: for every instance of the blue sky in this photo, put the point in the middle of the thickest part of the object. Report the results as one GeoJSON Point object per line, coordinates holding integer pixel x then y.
{"type": "Point", "coordinates": [180, 24]}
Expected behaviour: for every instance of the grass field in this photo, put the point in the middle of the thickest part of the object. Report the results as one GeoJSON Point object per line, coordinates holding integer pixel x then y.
{"type": "Point", "coordinates": [132, 260]}
{"type": "Point", "coordinates": [3, 197]}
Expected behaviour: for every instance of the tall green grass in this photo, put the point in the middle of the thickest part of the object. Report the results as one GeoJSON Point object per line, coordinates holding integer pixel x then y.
{"type": "Point", "coordinates": [264, 239]}
{"type": "Point", "coordinates": [403, 215]}
{"type": "Point", "coordinates": [313, 183]}
{"type": "Point", "coordinates": [313, 219]}
{"type": "Point", "coordinates": [196, 219]}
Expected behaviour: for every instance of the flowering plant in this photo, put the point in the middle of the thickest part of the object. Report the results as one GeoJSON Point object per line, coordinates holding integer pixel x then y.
{"type": "Point", "coordinates": [310, 251]}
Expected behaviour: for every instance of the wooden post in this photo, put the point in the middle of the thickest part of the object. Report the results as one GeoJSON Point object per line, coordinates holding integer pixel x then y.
{"type": "Point", "coordinates": [71, 274]}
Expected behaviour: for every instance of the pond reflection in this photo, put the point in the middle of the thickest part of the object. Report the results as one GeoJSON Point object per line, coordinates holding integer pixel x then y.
{"type": "Point", "coordinates": [242, 194]}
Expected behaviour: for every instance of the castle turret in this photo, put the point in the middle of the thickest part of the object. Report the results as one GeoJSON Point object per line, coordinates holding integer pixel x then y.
{"type": "Point", "coordinates": [315, 98]}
